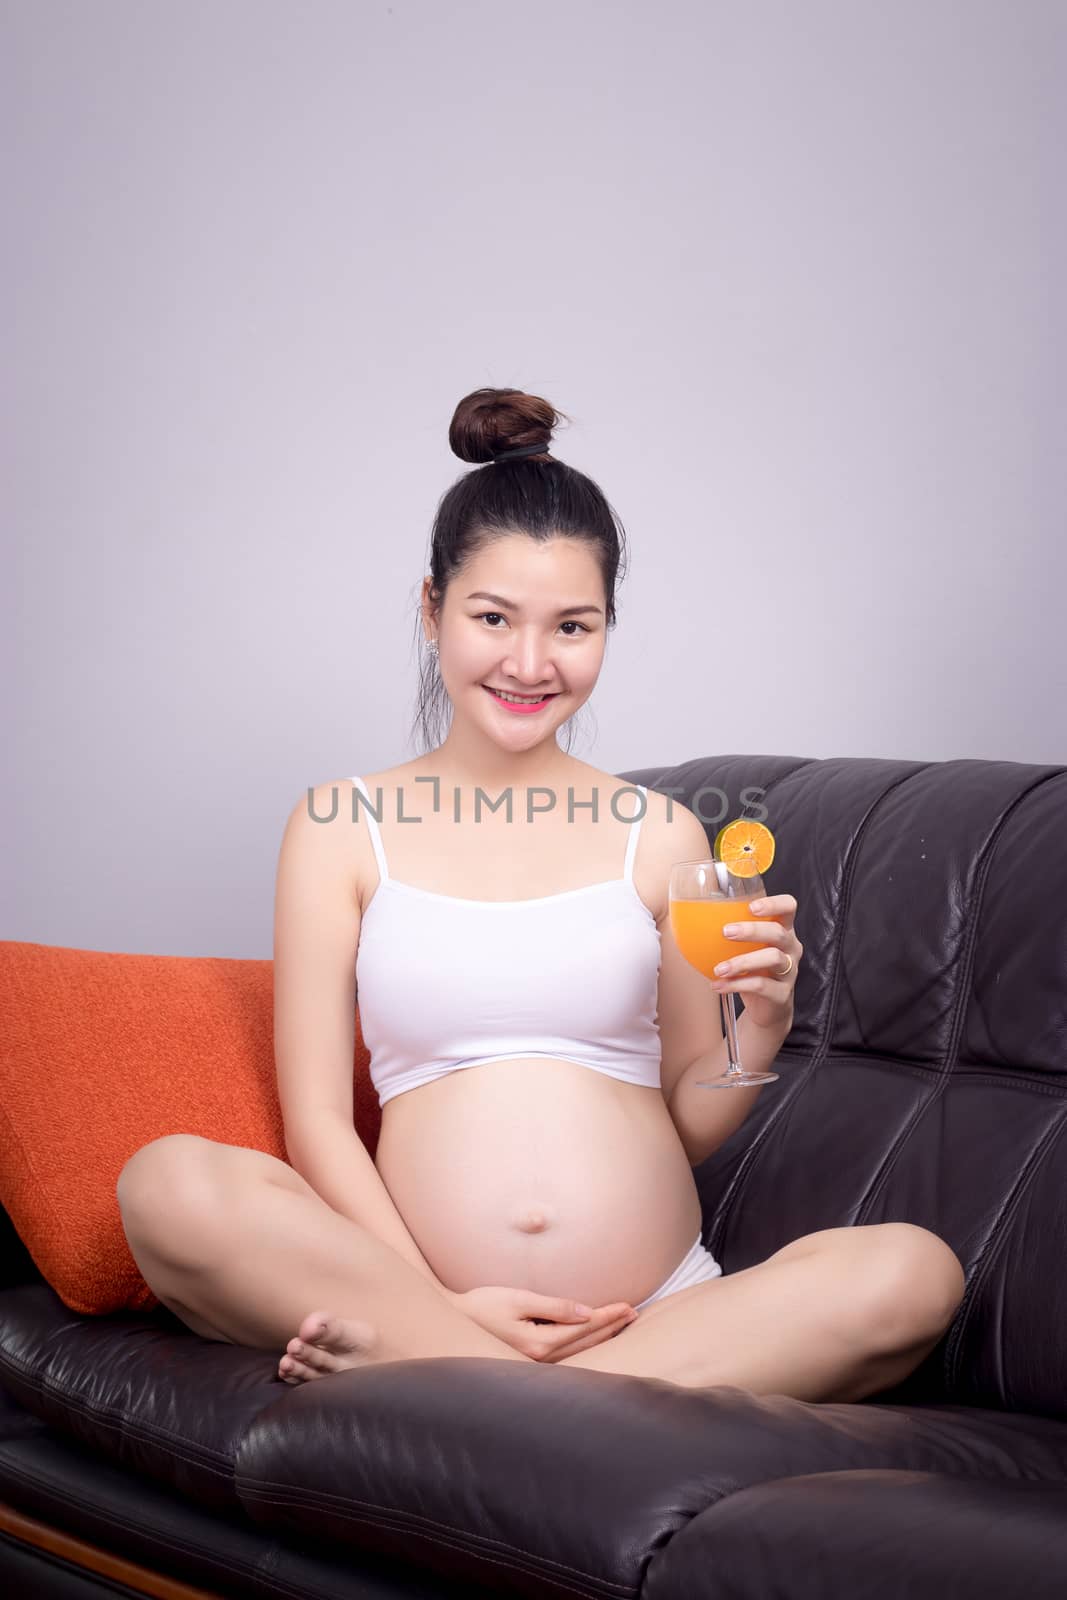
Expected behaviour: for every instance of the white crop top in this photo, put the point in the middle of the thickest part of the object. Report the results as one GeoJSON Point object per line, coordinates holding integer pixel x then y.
{"type": "Point", "coordinates": [445, 983]}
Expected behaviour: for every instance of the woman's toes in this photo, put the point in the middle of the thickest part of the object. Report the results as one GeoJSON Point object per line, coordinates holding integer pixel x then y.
{"type": "Point", "coordinates": [326, 1344]}
{"type": "Point", "coordinates": [310, 1355]}
{"type": "Point", "coordinates": [329, 1343]}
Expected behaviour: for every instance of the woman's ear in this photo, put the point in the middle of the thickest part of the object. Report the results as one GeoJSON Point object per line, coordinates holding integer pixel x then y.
{"type": "Point", "coordinates": [427, 608]}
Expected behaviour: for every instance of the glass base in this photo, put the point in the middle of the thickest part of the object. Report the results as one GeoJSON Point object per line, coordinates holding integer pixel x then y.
{"type": "Point", "coordinates": [737, 1080]}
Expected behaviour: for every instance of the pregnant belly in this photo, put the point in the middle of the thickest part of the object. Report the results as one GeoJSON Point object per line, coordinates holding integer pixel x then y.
{"type": "Point", "coordinates": [543, 1175]}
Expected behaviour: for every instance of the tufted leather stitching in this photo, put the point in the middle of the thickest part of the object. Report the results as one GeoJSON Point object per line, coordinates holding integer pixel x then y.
{"type": "Point", "coordinates": [963, 988]}
{"type": "Point", "coordinates": [975, 1275]}
{"type": "Point", "coordinates": [988, 1250]}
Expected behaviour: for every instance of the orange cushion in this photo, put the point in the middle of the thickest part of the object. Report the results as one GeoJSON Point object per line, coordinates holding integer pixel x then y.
{"type": "Point", "coordinates": [101, 1053]}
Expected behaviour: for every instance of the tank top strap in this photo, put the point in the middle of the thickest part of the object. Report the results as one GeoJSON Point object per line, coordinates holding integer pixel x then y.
{"type": "Point", "coordinates": [635, 829]}
{"type": "Point", "coordinates": [372, 824]}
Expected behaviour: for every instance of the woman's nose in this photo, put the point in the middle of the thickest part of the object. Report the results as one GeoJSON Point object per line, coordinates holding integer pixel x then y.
{"type": "Point", "coordinates": [530, 661]}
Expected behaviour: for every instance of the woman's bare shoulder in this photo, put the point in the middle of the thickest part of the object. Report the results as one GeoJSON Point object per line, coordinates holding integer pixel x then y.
{"type": "Point", "coordinates": [385, 788]}
{"type": "Point", "coordinates": [675, 833]}
{"type": "Point", "coordinates": [337, 814]}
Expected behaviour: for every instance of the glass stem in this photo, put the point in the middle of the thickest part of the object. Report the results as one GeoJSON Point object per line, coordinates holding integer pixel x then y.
{"type": "Point", "coordinates": [729, 1018]}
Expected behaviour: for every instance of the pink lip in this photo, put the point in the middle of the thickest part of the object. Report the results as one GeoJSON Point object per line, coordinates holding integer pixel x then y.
{"type": "Point", "coordinates": [538, 705]}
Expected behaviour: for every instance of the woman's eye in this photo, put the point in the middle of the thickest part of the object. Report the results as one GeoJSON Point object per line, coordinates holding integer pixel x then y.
{"type": "Point", "coordinates": [569, 623]}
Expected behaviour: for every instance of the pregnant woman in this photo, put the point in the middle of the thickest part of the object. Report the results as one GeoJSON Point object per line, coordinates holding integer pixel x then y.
{"type": "Point", "coordinates": [536, 1038]}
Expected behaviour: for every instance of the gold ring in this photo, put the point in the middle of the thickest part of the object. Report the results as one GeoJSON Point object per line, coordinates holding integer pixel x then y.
{"type": "Point", "coordinates": [787, 971]}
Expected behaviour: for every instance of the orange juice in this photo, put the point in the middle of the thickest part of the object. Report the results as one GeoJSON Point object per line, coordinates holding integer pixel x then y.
{"type": "Point", "coordinates": [697, 927]}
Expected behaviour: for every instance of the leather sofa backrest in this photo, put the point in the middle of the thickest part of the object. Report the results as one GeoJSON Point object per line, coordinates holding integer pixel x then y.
{"type": "Point", "coordinates": [925, 1078]}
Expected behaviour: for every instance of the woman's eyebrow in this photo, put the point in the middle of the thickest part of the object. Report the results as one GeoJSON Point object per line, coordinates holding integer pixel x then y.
{"type": "Point", "coordinates": [510, 605]}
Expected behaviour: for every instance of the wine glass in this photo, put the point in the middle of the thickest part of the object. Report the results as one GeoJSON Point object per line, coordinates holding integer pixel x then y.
{"type": "Point", "coordinates": [704, 897]}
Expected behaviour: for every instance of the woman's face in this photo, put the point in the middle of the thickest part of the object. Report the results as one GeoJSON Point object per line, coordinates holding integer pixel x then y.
{"type": "Point", "coordinates": [544, 632]}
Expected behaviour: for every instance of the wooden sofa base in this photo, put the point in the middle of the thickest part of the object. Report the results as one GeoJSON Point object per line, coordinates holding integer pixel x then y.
{"type": "Point", "coordinates": [90, 1558]}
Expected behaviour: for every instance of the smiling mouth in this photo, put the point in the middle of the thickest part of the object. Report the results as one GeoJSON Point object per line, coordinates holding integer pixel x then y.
{"type": "Point", "coordinates": [522, 700]}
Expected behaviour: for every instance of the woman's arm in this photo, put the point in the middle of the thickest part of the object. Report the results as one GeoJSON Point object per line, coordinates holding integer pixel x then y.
{"type": "Point", "coordinates": [329, 1154]}
{"type": "Point", "coordinates": [316, 935]}
{"type": "Point", "coordinates": [705, 1118]}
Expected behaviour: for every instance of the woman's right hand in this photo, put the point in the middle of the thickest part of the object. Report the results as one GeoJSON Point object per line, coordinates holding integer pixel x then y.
{"type": "Point", "coordinates": [516, 1316]}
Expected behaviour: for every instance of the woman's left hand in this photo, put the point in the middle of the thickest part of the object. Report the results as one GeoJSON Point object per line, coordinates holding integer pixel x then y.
{"type": "Point", "coordinates": [768, 999]}
{"type": "Point", "coordinates": [518, 1317]}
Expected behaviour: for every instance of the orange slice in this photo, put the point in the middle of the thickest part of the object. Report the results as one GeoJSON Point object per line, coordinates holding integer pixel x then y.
{"type": "Point", "coordinates": [746, 848]}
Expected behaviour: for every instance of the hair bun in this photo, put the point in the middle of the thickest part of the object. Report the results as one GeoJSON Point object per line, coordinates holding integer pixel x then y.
{"type": "Point", "coordinates": [490, 420]}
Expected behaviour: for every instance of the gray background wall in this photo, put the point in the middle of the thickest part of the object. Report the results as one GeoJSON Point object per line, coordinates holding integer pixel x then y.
{"type": "Point", "coordinates": [794, 270]}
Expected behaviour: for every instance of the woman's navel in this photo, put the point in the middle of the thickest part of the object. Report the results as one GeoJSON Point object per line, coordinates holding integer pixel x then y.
{"type": "Point", "coordinates": [532, 1219]}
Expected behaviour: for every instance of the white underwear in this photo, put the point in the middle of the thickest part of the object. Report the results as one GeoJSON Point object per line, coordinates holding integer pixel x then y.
{"type": "Point", "coordinates": [697, 1266]}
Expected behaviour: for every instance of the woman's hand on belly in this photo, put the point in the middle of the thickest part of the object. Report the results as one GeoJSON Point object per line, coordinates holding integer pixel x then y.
{"type": "Point", "coordinates": [514, 1315]}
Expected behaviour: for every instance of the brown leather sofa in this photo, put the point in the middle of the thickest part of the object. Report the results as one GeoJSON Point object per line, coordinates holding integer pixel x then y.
{"type": "Point", "coordinates": [925, 1080]}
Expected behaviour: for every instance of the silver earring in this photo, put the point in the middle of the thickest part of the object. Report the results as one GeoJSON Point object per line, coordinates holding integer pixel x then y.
{"type": "Point", "coordinates": [432, 646]}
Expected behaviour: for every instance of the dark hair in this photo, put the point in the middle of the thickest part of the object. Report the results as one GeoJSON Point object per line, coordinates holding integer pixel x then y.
{"type": "Point", "coordinates": [535, 495]}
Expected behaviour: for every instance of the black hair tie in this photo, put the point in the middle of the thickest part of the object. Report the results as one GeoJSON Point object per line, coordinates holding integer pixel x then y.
{"type": "Point", "coordinates": [523, 450]}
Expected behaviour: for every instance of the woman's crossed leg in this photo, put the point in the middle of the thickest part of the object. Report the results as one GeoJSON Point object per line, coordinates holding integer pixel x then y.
{"type": "Point", "coordinates": [835, 1315]}
{"type": "Point", "coordinates": [241, 1248]}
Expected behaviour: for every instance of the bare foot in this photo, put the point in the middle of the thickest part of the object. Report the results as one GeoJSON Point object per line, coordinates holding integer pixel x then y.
{"type": "Point", "coordinates": [325, 1344]}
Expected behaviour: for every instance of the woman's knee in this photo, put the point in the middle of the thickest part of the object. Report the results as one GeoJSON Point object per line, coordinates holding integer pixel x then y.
{"type": "Point", "coordinates": [915, 1284]}
{"type": "Point", "coordinates": [168, 1188]}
